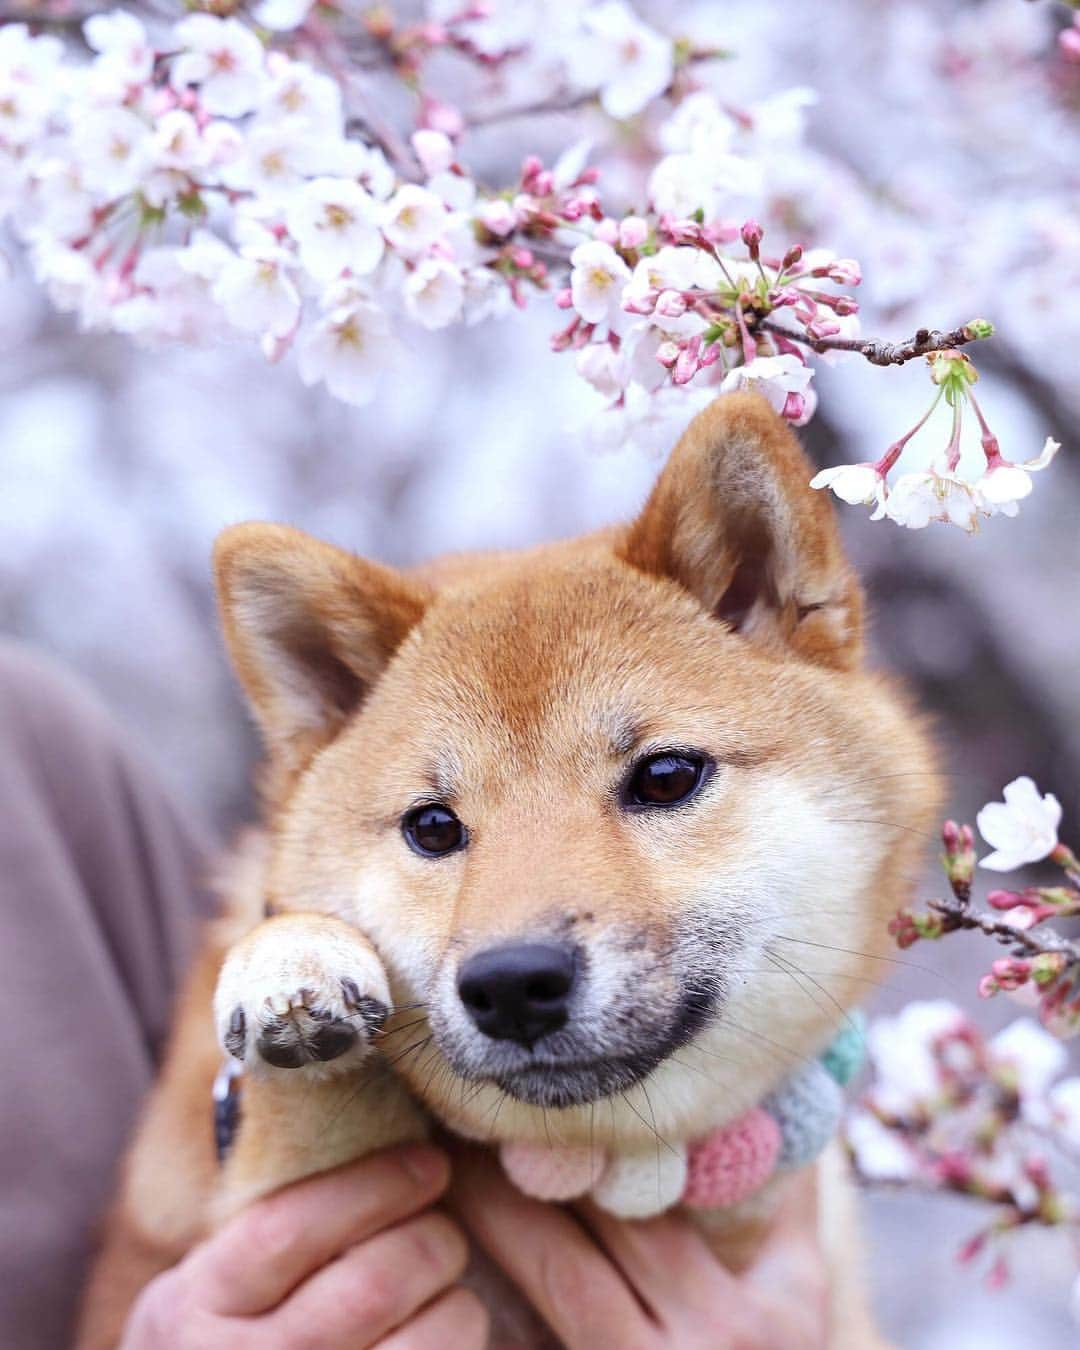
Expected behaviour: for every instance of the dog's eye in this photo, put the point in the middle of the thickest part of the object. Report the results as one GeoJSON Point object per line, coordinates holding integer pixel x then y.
{"type": "Point", "coordinates": [433, 831]}
{"type": "Point", "coordinates": [665, 779]}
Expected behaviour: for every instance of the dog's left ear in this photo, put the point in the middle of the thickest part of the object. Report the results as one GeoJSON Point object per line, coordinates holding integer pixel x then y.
{"type": "Point", "coordinates": [733, 519]}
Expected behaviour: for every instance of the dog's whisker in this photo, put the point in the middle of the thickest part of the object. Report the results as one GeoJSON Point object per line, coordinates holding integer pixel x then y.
{"type": "Point", "coordinates": [796, 969]}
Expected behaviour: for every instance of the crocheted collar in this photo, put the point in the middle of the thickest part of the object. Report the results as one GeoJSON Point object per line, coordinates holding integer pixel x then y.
{"type": "Point", "coordinates": [787, 1131]}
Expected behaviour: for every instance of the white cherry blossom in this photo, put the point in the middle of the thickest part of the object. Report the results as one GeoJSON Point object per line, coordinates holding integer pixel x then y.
{"type": "Point", "coordinates": [1035, 1056]}
{"type": "Point", "coordinates": [335, 225]}
{"type": "Point", "coordinates": [301, 95]}
{"type": "Point", "coordinates": [350, 350]}
{"type": "Point", "coordinates": [774, 376]}
{"type": "Point", "coordinates": [414, 219]}
{"type": "Point", "coordinates": [125, 51]}
{"type": "Point", "coordinates": [1004, 483]}
{"type": "Point", "coordinates": [224, 58]}
{"type": "Point", "coordinates": [434, 150]}
{"type": "Point", "coordinates": [282, 15]}
{"type": "Point", "coordinates": [256, 292]}
{"type": "Point", "coordinates": [901, 1049]}
{"type": "Point", "coordinates": [631, 62]}
{"type": "Point", "coordinates": [435, 293]}
{"type": "Point", "coordinates": [856, 484]}
{"type": "Point", "coordinates": [915, 499]}
{"type": "Point", "coordinates": [114, 148]}
{"type": "Point", "coordinates": [1022, 829]}
{"type": "Point", "coordinates": [596, 281]}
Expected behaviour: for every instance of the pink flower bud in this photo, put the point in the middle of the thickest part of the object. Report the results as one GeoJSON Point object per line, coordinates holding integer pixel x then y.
{"type": "Point", "coordinates": [791, 257]}
{"type": "Point", "coordinates": [1006, 899]}
{"type": "Point", "coordinates": [644, 303]}
{"type": "Point", "coordinates": [845, 304]}
{"type": "Point", "coordinates": [1069, 42]}
{"type": "Point", "coordinates": [498, 216]}
{"type": "Point", "coordinates": [687, 366]}
{"type": "Point", "coordinates": [607, 231]}
{"type": "Point", "coordinates": [988, 986]}
{"type": "Point", "coordinates": [561, 340]}
{"type": "Point", "coordinates": [671, 304]}
{"type": "Point", "coordinates": [574, 209]}
{"type": "Point", "coordinates": [667, 354]}
{"type": "Point", "coordinates": [821, 328]}
{"type": "Point", "coordinates": [794, 407]}
{"type": "Point", "coordinates": [998, 1276]}
{"type": "Point", "coordinates": [564, 299]}
{"type": "Point", "coordinates": [439, 116]}
{"type": "Point", "coordinates": [531, 166]}
{"type": "Point", "coordinates": [751, 236]}
{"type": "Point", "coordinates": [633, 231]}
{"type": "Point", "coordinates": [971, 1248]}
{"type": "Point", "coordinates": [845, 272]}
{"type": "Point", "coordinates": [710, 355]}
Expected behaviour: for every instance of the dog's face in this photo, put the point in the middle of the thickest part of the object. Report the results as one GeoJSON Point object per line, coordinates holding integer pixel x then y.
{"type": "Point", "coordinates": [597, 805]}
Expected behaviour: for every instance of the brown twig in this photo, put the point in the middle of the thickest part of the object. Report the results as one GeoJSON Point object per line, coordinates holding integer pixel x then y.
{"type": "Point", "coordinates": [1043, 942]}
{"type": "Point", "coordinates": [879, 353]}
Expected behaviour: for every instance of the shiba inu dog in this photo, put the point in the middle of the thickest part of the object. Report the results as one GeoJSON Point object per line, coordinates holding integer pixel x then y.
{"type": "Point", "coordinates": [555, 842]}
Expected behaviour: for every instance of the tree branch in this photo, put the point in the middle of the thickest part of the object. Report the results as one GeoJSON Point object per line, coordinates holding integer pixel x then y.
{"type": "Point", "coordinates": [879, 353]}
{"type": "Point", "coordinates": [1044, 942]}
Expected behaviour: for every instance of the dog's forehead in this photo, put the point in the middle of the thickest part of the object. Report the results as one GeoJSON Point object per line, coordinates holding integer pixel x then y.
{"type": "Point", "coordinates": [558, 659]}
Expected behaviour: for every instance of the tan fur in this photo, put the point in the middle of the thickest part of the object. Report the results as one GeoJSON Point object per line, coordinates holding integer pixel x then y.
{"type": "Point", "coordinates": [516, 688]}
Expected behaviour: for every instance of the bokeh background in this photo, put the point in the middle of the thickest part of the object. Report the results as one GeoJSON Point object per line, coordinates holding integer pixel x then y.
{"type": "Point", "coordinates": [944, 155]}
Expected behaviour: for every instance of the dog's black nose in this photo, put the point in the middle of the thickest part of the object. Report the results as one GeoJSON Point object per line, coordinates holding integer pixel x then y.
{"type": "Point", "coordinates": [518, 992]}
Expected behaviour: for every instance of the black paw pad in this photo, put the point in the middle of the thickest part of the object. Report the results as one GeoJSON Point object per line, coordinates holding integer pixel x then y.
{"type": "Point", "coordinates": [236, 1036]}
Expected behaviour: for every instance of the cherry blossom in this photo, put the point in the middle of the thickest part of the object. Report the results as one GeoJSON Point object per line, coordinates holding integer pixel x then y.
{"type": "Point", "coordinates": [123, 43]}
{"type": "Point", "coordinates": [414, 219]}
{"type": "Point", "coordinates": [1004, 483]}
{"type": "Point", "coordinates": [224, 58]}
{"type": "Point", "coordinates": [350, 350]}
{"type": "Point", "coordinates": [784, 380]}
{"type": "Point", "coordinates": [336, 227]}
{"type": "Point", "coordinates": [435, 293]}
{"type": "Point", "coordinates": [597, 281]}
{"type": "Point", "coordinates": [120, 168]}
{"type": "Point", "coordinates": [632, 63]}
{"type": "Point", "coordinates": [1022, 829]}
{"type": "Point", "coordinates": [857, 484]}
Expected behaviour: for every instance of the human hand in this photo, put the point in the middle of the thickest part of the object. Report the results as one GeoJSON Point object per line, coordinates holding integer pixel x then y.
{"type": "Point", "coordinates": [650, 1285]}
{"type": "Point", "coordinates": [353, 1258]}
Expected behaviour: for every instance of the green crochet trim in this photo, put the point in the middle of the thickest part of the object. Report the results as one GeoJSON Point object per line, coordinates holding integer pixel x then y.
{"type": "Point", "coordinates": [847, 1052]}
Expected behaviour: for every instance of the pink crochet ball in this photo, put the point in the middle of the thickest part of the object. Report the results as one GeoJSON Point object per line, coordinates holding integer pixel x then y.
{"type": "Point", "coordinates": [552, 1173]}
{"type": "Point", "coordinates": [730, 1164]}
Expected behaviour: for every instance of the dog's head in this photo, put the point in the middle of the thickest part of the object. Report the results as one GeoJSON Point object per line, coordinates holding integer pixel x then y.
{"type": "Point", "coordinates": [622, 815]}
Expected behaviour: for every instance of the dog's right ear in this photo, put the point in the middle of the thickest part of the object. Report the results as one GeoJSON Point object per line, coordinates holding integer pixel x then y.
{"type": "Point", "coordinates": [309, 628]}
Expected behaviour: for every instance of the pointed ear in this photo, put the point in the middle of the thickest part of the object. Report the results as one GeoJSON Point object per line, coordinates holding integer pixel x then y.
{"type": "Point", "coordinates": [309, 629]}
{"type": "Point", "coordinates": [733, 519]}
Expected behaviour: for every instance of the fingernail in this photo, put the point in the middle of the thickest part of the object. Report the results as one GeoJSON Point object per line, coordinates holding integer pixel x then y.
{"type": "Point", "coordinates": [425, 1165]}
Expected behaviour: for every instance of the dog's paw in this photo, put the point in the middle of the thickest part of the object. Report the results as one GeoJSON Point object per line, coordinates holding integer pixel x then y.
{"type": "Point", "coordinates": [295, 994]}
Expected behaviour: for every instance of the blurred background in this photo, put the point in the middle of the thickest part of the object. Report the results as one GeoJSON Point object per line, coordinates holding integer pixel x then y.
{"type": "Point", "coordinates": [944, 157]}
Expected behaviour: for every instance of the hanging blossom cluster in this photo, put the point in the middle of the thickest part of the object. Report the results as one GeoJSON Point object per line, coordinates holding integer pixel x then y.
{"type": "Point", "coordinates": [231, 174]}
{"type": "Point", "coordinates": [940, 492]}
{"type": "Point", "coordinates": [991, 1120]}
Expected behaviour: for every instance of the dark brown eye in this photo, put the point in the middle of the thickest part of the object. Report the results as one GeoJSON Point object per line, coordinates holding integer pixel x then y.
{"type": "Point", "coordinates": [665, 779]}
{"type": "Point", "coordinates": [433, 831]}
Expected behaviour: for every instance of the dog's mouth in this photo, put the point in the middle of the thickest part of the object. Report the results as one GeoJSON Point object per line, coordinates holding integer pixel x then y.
{"type": "Point", "coordinates": [565, 1073]}
{"type": "Point", "coordinates": [555, 1083]}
